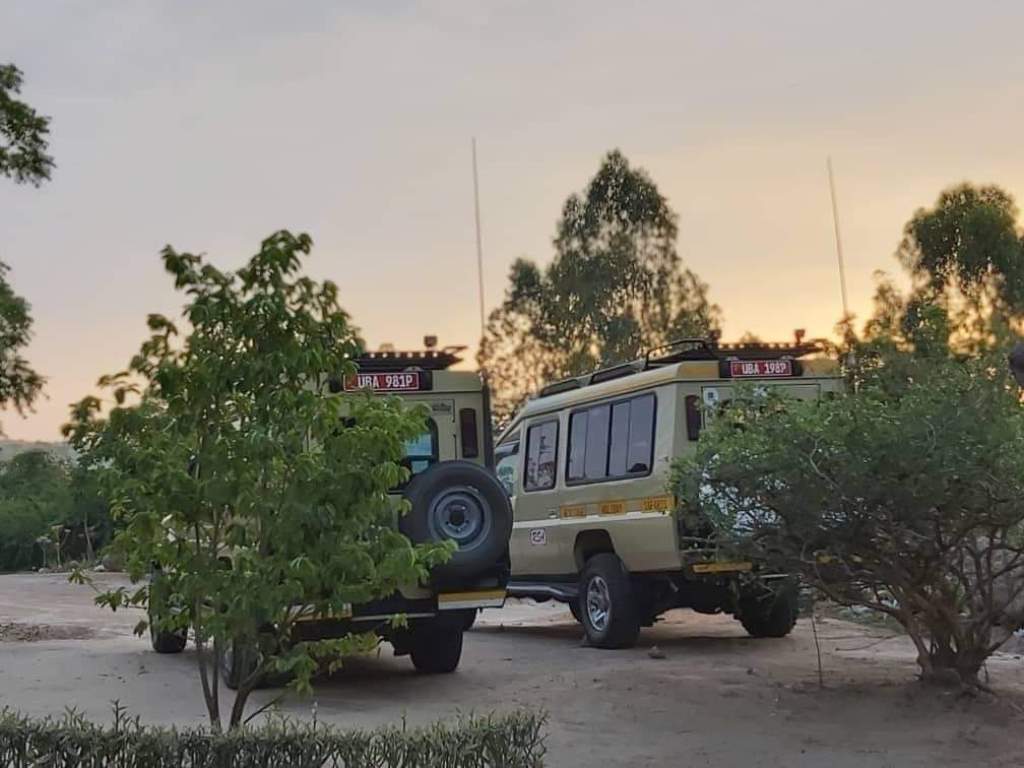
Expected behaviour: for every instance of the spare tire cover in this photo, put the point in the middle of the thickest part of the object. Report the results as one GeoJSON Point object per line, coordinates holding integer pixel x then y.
{"type": "Point", "coordinates": [462, 502]}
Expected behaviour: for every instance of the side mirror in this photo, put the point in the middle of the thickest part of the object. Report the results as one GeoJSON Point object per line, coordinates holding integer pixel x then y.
{"type": "Point", "coordinates": [1016, 360]}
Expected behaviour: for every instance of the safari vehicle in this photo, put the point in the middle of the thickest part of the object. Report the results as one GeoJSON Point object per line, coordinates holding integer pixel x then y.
{"type": "Point", "coordinates": [453, 495]}
{"type": "Point", "coordinates": [587, 464]}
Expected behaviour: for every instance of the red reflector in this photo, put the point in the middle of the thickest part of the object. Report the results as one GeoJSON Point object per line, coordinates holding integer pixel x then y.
{"type": "Point", "coordinates": [740, 369]}
{"type": "Point", "coordinates": [404, 381]}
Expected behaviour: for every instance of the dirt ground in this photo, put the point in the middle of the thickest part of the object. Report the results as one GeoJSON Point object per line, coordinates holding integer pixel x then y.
{"type": "Point", "coordinates": [717, 698]}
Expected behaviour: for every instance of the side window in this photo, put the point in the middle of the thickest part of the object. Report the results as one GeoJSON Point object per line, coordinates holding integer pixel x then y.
{"type": "Point", "coordinates": [541, 456]}
{"type": "Point", "coordinates": [610, 441]}
{"type": "Point", "coordinates": [641, 435]}
{"type": "Point", "coordinates": [421, 451]}
{"type": "Point", "coordinates": [506, 465]}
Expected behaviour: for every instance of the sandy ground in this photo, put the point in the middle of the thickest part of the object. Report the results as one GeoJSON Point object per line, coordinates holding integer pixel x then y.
{"type": "Point", "coordinates": [717, 698]}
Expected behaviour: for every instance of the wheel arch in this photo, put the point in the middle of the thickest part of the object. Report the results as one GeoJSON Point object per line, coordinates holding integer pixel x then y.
{"type": "Point", "coordinates": [595, 541]}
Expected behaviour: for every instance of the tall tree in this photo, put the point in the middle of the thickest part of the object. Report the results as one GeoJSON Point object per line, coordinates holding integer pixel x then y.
{"type": "Point", "coordinates": [615, 287]}
{"type": "Point", "coordinates": [23, 157]}
{"type": "Point", "coordinates": [19, 384]}
{"type": "Point", "coordinates": [23, 133]}
{"type": "Point", "coordinates": [967, 254]}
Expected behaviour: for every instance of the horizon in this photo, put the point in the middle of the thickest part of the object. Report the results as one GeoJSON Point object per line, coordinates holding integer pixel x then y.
{"type": "Point", "coordinates": [354, 124]}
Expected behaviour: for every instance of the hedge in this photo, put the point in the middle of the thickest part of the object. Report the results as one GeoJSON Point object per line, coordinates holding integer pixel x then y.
{"type": "Point", "coordinates": [498, 741]}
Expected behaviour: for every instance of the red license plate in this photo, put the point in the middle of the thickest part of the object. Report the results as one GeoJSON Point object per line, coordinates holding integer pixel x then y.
{"type": "Point", "coordinates": [405, 381]}
{"type": "Point", "coordinates": [741, 369]}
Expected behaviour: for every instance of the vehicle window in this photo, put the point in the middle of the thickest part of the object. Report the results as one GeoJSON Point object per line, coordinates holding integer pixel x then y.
{"type": "Point", "coordinates": [577, 444]}
{"type": "Point", "coordinates": [506, 465]}
{"type": "Point", "coordinates": [612, 440]}
{"type": "Point", "coordinates": [421, 451]}
{"type": "Point", "coordinates": [595, 463]}
{"type": "Point", "coordinates": [541, 453]}
{"type": "Point", "coordinates": [618, 453]}
{"type": "Point", "coordinates": [641, 435]}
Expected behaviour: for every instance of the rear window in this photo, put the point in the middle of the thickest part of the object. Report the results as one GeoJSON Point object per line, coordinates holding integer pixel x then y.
{"type": "Point", "coordinates": [421, 451]}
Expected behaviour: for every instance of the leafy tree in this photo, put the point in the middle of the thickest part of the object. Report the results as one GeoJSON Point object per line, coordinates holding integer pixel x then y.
{"type": "Point", "coordinates": [34, 497]}
{"type": "Point", "coordinates": [908, 501]}
{"type": "Point", "coordinates": [19, 384]}
{"type": "Point", "coordinates": [260, 498]}
{"type": "Point", "coordinates": [23, 133]}
{"type": "Point", "coordinates": [615, 287]}
{"type": "Point", "coordinates": [22, 157]}
{"type": "Point", "coordinates": [967, 254]}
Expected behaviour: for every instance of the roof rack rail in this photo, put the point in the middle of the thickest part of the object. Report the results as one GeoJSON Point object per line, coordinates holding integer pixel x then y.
{"type": "Point", "coordinates": [428, 360]}
{"type": "Point", "coordinates": [615, 371]}
{"type": "Point", "coordinates": [563, 385]}
{"type": "Point", "coordinates": [693, 348]}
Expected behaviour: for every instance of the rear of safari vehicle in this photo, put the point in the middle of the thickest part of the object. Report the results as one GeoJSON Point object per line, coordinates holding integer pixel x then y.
{"type": "Point", "coordinates": [452, 494]}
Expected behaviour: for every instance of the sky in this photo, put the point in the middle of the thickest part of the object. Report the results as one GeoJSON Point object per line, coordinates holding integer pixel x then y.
{"type": "Point", "coordinates": [209, 125]}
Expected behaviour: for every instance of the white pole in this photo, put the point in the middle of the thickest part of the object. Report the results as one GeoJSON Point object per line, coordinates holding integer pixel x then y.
{"type": "Point", "coordinates": [479, 241]}
{"type": "Point", "coordinates": [839, 240]}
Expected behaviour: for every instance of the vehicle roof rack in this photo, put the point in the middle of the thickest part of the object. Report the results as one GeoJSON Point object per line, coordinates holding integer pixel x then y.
{"type": "Point", "coordinates": [427, 360]}
{"type": "Point", "coordinates": [682, 350]}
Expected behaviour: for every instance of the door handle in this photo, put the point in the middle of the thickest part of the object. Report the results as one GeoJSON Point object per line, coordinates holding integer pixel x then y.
{"type": "Point", "coordinates": [552, 513]}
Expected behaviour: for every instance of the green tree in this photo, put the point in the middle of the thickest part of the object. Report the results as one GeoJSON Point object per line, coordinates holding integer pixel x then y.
{"type": "Point", "coordinates": [615, 287]}
{"type": "Point", "coordinates": [23, 133]}
{"type": "Point", "coordinates": [20, 385]}
{"type": "Point", "coordinates": [967, 255]}
{"type": "Point", "coordinates": [260, 498]}
{"type": "Point", "coordinates": [22, 157]}
{"type": "Point", "coordinates": [34, 498]}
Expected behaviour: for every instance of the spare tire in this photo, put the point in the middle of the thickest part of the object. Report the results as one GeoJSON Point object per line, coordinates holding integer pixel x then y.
{"type": "Point", "coordinates": [462, 502]}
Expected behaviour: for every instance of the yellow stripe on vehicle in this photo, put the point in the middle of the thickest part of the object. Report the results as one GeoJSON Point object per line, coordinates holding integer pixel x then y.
{"type": "Point", "coordinates": [613, 508]}
{"type": "Point", "coordinates": [486, 594]}
{"type": "Point", "coordinates": [485, 598]}
{"type": "Point", "coordinates": [722, 567]}
{"type": "Point", "coordinates": [658, 503]}
{"type": "Point", "coordinates": [574, 510]}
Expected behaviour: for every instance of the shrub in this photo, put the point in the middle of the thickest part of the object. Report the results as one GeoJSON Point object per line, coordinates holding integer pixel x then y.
{"type": "Point", "coordinates": [907, 501]}
{"type": "Point", "coordinates": [511, 740]}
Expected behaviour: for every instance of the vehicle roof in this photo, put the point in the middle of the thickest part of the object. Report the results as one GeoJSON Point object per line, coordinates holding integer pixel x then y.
{"type": "Point", "coordinates": [690, 370]}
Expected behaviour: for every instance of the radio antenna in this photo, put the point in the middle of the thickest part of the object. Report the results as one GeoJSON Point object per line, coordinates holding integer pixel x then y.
{"type": "Point", "coordinates": [839, 240]}
{"type": "Point", "coordinates": [479, 241]}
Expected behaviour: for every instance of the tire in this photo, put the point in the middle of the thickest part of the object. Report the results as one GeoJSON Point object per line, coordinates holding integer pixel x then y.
{"type": "Point", "coordinates": [436, 650]}
{"type": "Point", "coordinates": [235, 666]}
{"type": "Point", "coordinates": [462, 502]}
{"type": "Point", "coordinates": [469, 619]}
{"type": "Point", "coordinates": [607, 604]}
{"type": "Point", "coordinates": [167, 642]}
{"type": "Point", "coordinates": [162, 641]}
{"type": "Point", "coordinates": [234, 669]}
{"type": "Point", "coordinates": [574, 609]}
{"type": "Point", "coordinates": [770, 614]}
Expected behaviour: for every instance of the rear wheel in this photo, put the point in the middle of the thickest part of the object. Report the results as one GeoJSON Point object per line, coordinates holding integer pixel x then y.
{"type": "Point", "coordinates": [608, 608]}
{"type": "Point", "coordinates": [770, 613]}
{"type": "Point", "coordinates": [164, 641]}
{"type": "Point", "coordinates": [436, 650]}
{"type": "Point", "coordinates": [574, 609]}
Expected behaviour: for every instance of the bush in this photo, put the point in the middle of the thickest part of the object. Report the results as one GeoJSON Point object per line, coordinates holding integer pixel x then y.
{"type": "Point", "coordinates": [908, 501]}
{"type": "Point", "coordinates": [509, 741]}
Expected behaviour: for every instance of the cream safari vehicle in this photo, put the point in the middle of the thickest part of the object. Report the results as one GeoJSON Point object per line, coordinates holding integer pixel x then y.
{"type": "Point", "coordinates": [587, 464]}
{"type": "Point", "coordinates": [453, 495]}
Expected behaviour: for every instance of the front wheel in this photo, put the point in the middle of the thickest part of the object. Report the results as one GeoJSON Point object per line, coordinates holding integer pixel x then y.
{"type": "Point", "coordinates": [436, 650]}
{"type": "Point", "coordinates": [607, 603]}
{"type": "Point", "coordinates": [771, 613]}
